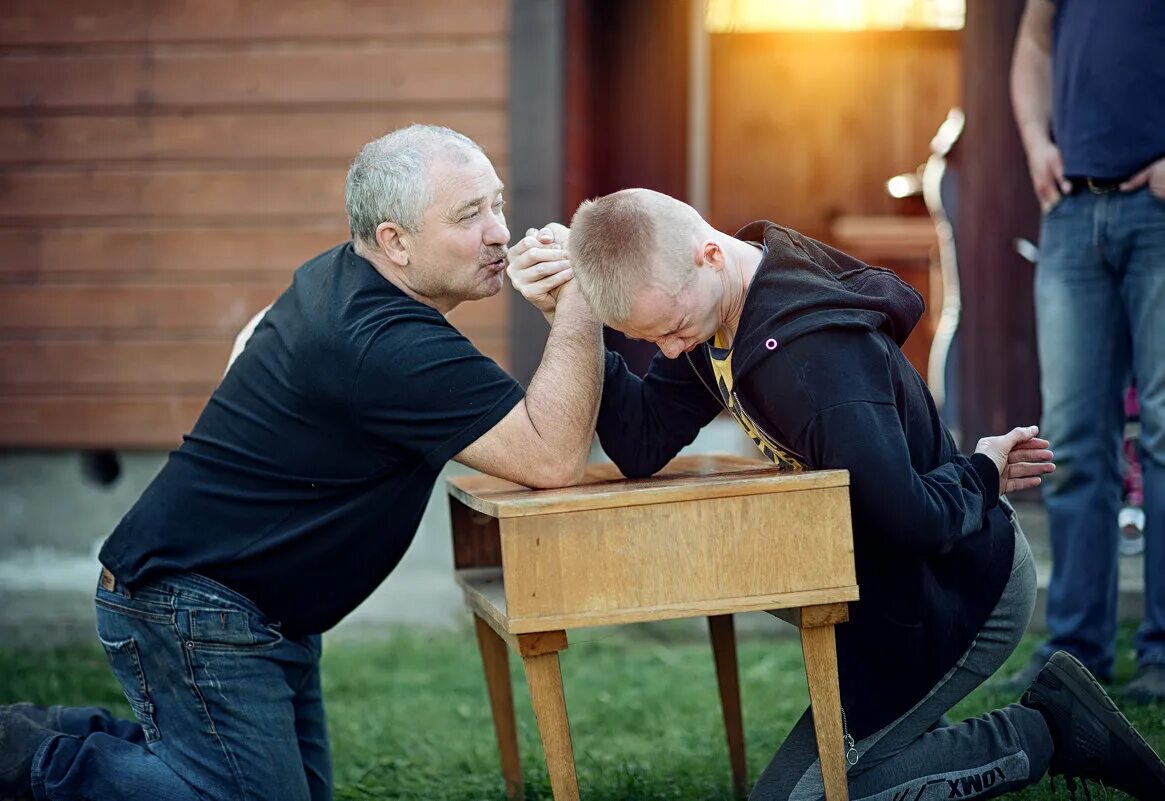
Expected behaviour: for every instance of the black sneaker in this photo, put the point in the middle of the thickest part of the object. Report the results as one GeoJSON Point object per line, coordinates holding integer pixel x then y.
{"type": "Point", "coordinates": [19, 740]}
{"type": "Point", "coordinates": [1093, 741]}
{"type": "Point", "coordinates": [1148, 686]}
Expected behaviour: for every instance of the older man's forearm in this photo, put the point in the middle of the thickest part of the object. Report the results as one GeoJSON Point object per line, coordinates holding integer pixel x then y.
{"type": "Point", "coordinates": [563, 397]}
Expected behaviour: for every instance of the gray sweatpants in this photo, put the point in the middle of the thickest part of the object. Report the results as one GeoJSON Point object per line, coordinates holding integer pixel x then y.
{"type": "Point", "coordinates": [918, 757]}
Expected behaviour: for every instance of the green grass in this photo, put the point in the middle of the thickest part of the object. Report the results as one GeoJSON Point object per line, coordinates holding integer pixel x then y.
{"type": "Point", "coordinates": [410, 719]}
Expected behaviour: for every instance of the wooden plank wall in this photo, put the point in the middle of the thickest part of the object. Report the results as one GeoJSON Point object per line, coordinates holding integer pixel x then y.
{"type": "Point", "coordinates": [807, 126]}
{"type": "Point", "coordinates": [165, 166]}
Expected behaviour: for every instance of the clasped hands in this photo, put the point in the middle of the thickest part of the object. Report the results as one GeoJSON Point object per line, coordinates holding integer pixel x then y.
{"type": "Point", "coordinates": [1020, 456]}
{"type": "Point", "coordinates": [539, 267]}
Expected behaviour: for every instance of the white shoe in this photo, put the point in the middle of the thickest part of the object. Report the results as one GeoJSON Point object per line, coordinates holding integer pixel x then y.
{"type": "Point", "coordinates": [1132, 525]}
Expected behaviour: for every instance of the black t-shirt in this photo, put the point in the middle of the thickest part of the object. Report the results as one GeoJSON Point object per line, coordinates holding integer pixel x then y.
{"type": "Point", "coordinates": [1108, 85]}
{"type": "Point", "coordinates": [304, 480]}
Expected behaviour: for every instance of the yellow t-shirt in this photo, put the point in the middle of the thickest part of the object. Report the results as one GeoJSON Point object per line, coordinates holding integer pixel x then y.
{"type": "Point", "coordinates": [781, 456]}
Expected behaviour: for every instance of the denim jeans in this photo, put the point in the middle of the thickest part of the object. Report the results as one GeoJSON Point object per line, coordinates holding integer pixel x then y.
{"type": "Point", "coordinates": [226, 706]}
{"type": "Point", "coordinates": [919, 756]}
{"type": "Point", "coordinates": [1100, 312]}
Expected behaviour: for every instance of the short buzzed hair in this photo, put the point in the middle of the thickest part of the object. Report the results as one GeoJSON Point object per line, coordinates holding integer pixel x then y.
{"type": "Point", "coordinates": [388, 179]}
{"type": "Point", "coordinates": [616, 239]}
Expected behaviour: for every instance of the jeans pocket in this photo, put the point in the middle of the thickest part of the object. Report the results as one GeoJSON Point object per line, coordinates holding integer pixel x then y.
{"type": "Point", "coordinates": [1059, 206]}
{"type": "Point", "coordinates": [150, 611]}
{"type": "Point", "coordinates": [230, 629]}
{"type": "Point", "coordinates": [127, 666]}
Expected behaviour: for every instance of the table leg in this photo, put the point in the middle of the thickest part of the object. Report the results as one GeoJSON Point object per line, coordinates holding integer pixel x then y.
{"type": "Point", "coordinates": [545, 680]}
{"type": "Point", "coordinates": [820, 649]}
{"type": "Point", "coordinates": [728, 677]}
{"type": "Point", "coordinates": [496, 662]}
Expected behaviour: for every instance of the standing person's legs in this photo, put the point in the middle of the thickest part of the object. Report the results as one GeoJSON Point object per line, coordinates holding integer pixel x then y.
{"type": "Point", "coordinates": [1084, 362]}
{"type": "Point", "coordinates": [998, 752]}
{"type": "Point", "coordinates": [1143, 218]}
{"type": "Point", "coordinates": [214, 688]}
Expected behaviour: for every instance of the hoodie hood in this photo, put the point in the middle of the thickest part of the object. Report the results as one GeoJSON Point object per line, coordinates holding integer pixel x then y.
{"type": "Point", "coordinates": [802, 286]}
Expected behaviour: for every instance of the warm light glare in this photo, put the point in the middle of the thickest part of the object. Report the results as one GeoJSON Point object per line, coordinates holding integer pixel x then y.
{"type": "Point", "coordinates": [728, 16]}
{"type": "Point", "coordinates": [901, 186]}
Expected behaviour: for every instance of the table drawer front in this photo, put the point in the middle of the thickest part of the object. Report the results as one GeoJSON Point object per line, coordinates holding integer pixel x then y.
{"type": "Point", "coordinates": [579, 563]}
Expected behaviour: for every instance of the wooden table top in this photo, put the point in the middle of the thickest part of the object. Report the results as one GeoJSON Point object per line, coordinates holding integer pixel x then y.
{"type": "Point", "coordinates": [603, 487]}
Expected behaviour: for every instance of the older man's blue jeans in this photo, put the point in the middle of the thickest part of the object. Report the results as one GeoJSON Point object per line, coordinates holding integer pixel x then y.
{"type": "Point", "coordinates": [226, 706]}
{"type": "Point", "coordinates": [1100, 310]}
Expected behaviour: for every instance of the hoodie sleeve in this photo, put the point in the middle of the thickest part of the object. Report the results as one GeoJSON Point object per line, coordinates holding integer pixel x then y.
{"type": "Point", "coordinates": [852, 421]}
{"type": "Point", "coordinates": [644, 422]}
{"type": "Point", "coordinates": [923, 512]}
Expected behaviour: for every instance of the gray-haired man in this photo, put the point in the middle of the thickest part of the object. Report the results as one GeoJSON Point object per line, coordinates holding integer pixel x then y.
{"type": "Point", "coordinates": [302, 485]}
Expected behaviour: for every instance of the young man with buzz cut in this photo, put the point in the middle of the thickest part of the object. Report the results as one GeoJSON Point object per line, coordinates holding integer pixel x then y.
{"type": "Point", "coordinates": [801, 344]}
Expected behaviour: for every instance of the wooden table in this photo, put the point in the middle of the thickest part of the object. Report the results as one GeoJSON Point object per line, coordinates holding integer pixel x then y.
{"type": "Point", "coordinates": [706, 536]}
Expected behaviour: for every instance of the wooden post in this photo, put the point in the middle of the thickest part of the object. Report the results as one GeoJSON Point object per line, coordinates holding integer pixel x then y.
{"type": "Point", "coordinates": [536, 53]}
{"type": "Point", "coordinates": [998, 368]}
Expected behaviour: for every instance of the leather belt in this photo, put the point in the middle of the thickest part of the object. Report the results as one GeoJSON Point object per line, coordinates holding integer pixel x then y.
{"type": "Point", "coordinates": [1097, 186]}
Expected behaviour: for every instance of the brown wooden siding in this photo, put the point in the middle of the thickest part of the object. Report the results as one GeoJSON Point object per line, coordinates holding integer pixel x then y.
{"type": "Point", "coordinates": [164, 167]}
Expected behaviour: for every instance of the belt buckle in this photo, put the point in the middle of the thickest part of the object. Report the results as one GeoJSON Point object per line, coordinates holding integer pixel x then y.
{"type": "Point", "coordinates": [1098, 189]}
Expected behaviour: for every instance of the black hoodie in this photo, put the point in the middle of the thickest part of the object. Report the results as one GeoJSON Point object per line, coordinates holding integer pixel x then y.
{"type": "Point", "coordinates": [817, 366]}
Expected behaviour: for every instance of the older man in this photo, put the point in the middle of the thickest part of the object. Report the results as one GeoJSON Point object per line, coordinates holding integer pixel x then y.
{"type": "Point", "coordinates": [800, 343]}
{"type": "Point", "coordinates": [302, 485]}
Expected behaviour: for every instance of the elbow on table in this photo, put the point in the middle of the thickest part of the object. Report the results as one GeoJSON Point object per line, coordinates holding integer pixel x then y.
{"type": "Point", "coordinates": [634, 459]}
{"type": "Point", "coordinates": [638, 472]}
{"type": "Point", "coordinates": [640, 467]}
{"type": "Point", "coordinates": [557, 472]}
